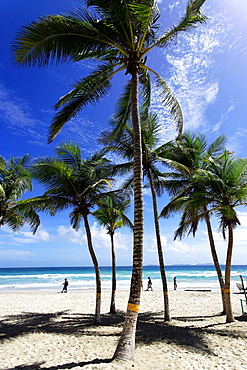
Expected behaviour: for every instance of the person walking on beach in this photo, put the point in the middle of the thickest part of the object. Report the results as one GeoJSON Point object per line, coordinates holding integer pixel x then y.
{"type": "Point", "coordinates": [65, 285]}
{"type": "Point", "coordinates": [149, 284]}
{"type": "Point", "coordinates": [175, 283]}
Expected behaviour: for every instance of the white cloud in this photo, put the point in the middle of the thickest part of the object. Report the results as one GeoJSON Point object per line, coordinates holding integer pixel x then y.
{"type": "Point", "coordinates": [100, 238]}
{"type": "Point", "coordinates": [44, 236]}
{"type": "Point", "coordinates": [192, 60]}
{"type": "Point", "coordinates": [181, 247]}
{"type": "Point", "coordinates": [19, 117]}
{"type": "Point", "coordinates": [41, 235]}
{"type": "Point", "coordinates": [190, 64]}
{"type": "Point", "coordinates": [150, 246]}
{"type": "Point", "coordinates": [72, 236]}
{"type": "Point", "coordinates": [25, 237]}
{"type": "Point", "coordinates": [237, 142]}
{"type": "Point", "coordinates": [243, 218]}
{"type": "Point", "coordinates": [14, 253]}
{"type": "Point", "coordinates": [224, 117]}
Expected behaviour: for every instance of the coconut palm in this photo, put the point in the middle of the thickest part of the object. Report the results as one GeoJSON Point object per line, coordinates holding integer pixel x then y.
{"type": "Point", "coordinates": [187, 157]}
{"type": "Point", "coordinates": [15, 180]}
{"type": "Point", "coordinates": [77, 184]}
{"type": "Point", "coordinates": [119, 35]}
{"type": "Point", "coordinates": [111, 214]}
{"type": "Point", "coordinates": [227, 188]}
{"type": "Point", "coordinates": [151, 160]}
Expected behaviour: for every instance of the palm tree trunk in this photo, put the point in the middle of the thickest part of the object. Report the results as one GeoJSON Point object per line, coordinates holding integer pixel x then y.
{"type": "Point", "coordinates": [215, 259]}
{"type": "Point", "coordinates": [229, 315]}
{"type": "Point", "coordinates": [113, 263]}
{"type": "Point", "coordinates": [126, 344]}
{"type": "Point", "coordinates": [97, 319]}
{"type": "Point", "coordinates": [160, 252]}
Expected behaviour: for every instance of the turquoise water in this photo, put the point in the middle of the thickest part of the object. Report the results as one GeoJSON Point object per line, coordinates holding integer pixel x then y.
{"type": "Point", "coordinates": [83, 278]}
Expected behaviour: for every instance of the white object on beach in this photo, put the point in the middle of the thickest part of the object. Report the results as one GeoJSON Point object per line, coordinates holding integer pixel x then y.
{"type": "Point", "coordinates": [240, 287]}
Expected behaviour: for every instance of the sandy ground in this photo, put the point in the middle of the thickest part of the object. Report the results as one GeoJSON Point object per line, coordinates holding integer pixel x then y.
{"type": "Point", "coordinates": [52, 331]}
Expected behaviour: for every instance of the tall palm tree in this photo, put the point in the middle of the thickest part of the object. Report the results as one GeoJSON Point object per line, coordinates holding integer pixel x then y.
{"type": "Point", "coordinates": [188, 159]}
{"type": "Point", "coordinates": [15, 180]}
{"type": "Point", "coordinates": [111, 214]}
{"type": "Point", "coordinates": [227, 188]}
{"type": "Point", "coordinates": [151, 160]}
{"type": "Point", "coordinates": [119, 35]}
{"type": "Point", "coordinates": [77, 184]}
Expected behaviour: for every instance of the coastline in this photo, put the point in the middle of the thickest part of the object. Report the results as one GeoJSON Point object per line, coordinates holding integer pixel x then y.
{"type": "Point", "coordinates": [83, 278]}
{"type": "Point", "coordinates": [46, 330]}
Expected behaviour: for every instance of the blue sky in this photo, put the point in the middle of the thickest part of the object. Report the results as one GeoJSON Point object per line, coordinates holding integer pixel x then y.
{"type": "Point", "coordinates": [206, 68]}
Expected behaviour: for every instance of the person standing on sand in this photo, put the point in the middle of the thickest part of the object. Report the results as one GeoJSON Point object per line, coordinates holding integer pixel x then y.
{"type": "Point", "coordinates": [65, 285]}
{"type": "Point", "coordinates": [175, 283]}
{"type": "Point", "coordinates": [149, 284]}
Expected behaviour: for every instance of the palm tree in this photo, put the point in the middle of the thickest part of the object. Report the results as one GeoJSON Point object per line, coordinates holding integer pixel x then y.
{"type": "Point", "coordinates": [15, 180]}
{"type": "Point", "coordinates": [111, 214]}
{"type": "Point", "coordinates": [151, 159]}
{"type": "Point", "coordinates": [75, 183]}
{"type": "Point", "coordinates": [119, 35]}
{"type": "Point", "coordinates": [188, 159]}
{"type": "Point", "coordinates": [227, 188]}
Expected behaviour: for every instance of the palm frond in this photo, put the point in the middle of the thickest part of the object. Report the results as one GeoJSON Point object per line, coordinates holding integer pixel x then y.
{"type": "Point", "coordinates": [58, 39]}
{"type": "Point", "coordinates": [69, 153]}
{"type": "Point", "coordinates": [87, 91]}
{"type": "Point", "coordinates": [170, 101]}
{"type": "Point", "coordinates": [192, 17]}
{"type": "Point", "coordinates": [122, 113]}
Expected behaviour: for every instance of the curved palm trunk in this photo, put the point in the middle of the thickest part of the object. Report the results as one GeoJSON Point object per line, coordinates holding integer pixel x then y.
{"type": "Point", "coordinates": [97, 318]}
{"type": "Point", "coordinates": [160, 252]}
{"type": "Point", "coordinates": [215, 259]}
{"type": "Point", "coordinates": [126, 344]}
{"type": "Point", "coordinates": [229, 315]}
{"type": "Point", "coordinates": [113, 262]}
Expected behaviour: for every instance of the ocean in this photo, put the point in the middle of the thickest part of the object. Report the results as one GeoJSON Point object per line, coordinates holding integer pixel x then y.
{"type": "Point", "coordinates": [83, 278]}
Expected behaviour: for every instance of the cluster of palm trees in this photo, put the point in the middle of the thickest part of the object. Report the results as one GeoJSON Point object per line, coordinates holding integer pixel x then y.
{"type": "Point", "coordinates": [119, 35]}
{"type": "Point", "coordinates": [206, 181]}
{"type": "Point", "coordinates": [202, 180]}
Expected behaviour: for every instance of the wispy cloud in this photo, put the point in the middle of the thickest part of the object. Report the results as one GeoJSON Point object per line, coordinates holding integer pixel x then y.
{"type": "Point", "coordinates": [192, 61]}
{"type": "Point", "coordinates": [19, 117]}
{"type": "Point", "coordinates": [24, 237]}
{"type": "Point", "coordinates": [237, 142]}
{"type": "Point", "coordinates": [84, 131]}
{"type": "Point", "coordinates": [224, 117]}
{"type": "Point", "coordinates": [189, 66]}
{"type": "Point", "coordinates": [14, 253]}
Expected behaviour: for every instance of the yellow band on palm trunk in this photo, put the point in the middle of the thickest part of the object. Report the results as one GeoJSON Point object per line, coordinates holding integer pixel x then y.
{"type": "Point", "coordinates": [133, 307]}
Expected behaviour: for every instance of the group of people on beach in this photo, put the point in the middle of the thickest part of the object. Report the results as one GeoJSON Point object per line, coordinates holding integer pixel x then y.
{"type": "Point", "coordinates": [149, 286]}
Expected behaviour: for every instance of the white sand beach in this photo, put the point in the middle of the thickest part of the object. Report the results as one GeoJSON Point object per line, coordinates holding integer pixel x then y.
{"type": "Point", "coordinates": [52, 331]}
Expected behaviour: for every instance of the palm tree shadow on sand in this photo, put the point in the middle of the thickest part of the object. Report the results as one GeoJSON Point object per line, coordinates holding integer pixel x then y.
{"type": "Point", "coordinates": [150, 329]}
